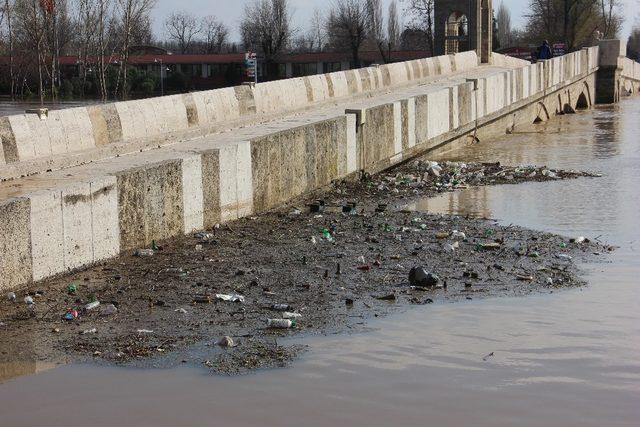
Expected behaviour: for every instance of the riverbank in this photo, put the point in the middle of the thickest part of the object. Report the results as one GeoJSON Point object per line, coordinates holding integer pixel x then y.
{"type": "Point", "coordinates": [345, 262]}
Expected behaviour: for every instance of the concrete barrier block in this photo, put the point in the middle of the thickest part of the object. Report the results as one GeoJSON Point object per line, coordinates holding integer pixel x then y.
{"type": "Point", "coordinates": [245, 180]}
{"type": "Point", "coordinates": [104, 124]}
{"type": "Point", "coordinates": [57, 135]}
{"type": "Point", "coordinates": [339, 84]}
{"type": "Point", "coordinates": [397, 128]}
{"type": "Point", "coordinates": [379, 134]}
{"type": "Point", "coordinates": [150, 204]}
{"type": "Point", "coordinates": [454, 108]}
{"type": "Point", "coordinates": [77, 126]}
{"type": "Point", "coordinates": [352, 143]}
{"type": "Point", "coordinates": [192, 193]}
{"type": "Point", "coordinates": [131, 209]}
{"type": "Point", "coordinates": [219, 106]}
{"type": "Point", "coordinates": [228, 183]}
{"type": "Point", "coordinates": [7, 142]}
{"type": "Point", "coordinates": [210, 188]}
{"type": "Point", "coordinates": [465, 103]}
{"type": "Point", "coordinates": [163, 201]}
{"type": "Point", "coordinates": [422, 122]}
{"type": "Point", "coordinates": [294, 162]}
{"type": "Point", "coordinates": [15, 243]}
{"type": "Point", "coordinates": [47, 233]}
{"type": "Point", "coordinates": [104, 218]}
{"type": "Point", "coordinates": [29, 145]}
{"type": "Point", "coordinates": [148, 108]}
{"type": "Point", "coordinates": [411, 122]}
{"type": "Point", "coordinates": [260, 163]}
{"type": "Point", "coordinates": [130, 121]}
{"type": "Point", "coordinates": [438, 113]}
{"type": "Point", "coordinates": [341, 132]}
{"type": "Point", "coordinates": [77, 224]}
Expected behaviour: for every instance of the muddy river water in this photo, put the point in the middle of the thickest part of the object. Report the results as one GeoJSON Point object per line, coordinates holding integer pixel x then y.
{"type": "Point", "coordinates": [567, 359]}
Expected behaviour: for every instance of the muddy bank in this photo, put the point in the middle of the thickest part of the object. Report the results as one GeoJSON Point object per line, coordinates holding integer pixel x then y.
{"type": "Point", "coordinates": [328, 262]}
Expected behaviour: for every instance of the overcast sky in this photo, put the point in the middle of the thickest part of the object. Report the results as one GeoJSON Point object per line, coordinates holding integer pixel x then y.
{"type": "Point", "coordinates": [230, 11]}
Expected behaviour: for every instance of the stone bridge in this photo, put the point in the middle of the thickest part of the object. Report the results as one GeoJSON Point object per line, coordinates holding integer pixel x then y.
{"type": "Point", "coordinates": [82, 185]}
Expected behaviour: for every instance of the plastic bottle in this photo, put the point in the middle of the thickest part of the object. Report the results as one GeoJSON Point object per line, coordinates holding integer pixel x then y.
{"type": "Point", "coordinates": [92, 305]}
{"type": "Point", "coordinates": [280, 307]}
{"type": "Point", "coordinates": [280, 323]}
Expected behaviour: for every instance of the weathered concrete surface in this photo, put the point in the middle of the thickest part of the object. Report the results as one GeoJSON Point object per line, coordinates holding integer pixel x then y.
{"type": "Point", "coordinates": [68, 219]}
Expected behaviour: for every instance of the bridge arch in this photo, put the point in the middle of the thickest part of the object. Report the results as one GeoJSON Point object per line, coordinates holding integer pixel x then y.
{"type": "Point", "coordinates": [542, 114]}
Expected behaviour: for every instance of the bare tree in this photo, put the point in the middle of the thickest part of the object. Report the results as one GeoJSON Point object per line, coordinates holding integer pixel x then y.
{"type": "Point", "coordinates": [633, 44]}
{"type": "Point", "coordinates": [576, 22]}
{"type": "Point", "coordinates": [182, 27]}
{"type": "Point", "coordinates": [611, 20]}
{"type": "Point", "coordinates": [421, 12]}
{"type": "Point", "coordinates": [376, 32]}
{"type": "Point", "coordinates": [503, 21]}
{"type": "Point", "coordinates": [266, 27]}
{"type": "Point", "coordinates": [8, 16]}
{"type": "Point", "coordinates": [216, 34]}
{"type": "Point", "coordinates": [348, 25]}
{"type": "Point", "coordinates": [393, 26]}
{"type": "Point", "coordinates": [318, 30]}
{"type": "Point", "coordinates": [131, 14]}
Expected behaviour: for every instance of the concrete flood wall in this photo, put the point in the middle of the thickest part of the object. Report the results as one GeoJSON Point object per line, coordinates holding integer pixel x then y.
{"type": "Point", "coordinates": [170, 192]}
{"type": "Point", "coordinates": [73, 136]}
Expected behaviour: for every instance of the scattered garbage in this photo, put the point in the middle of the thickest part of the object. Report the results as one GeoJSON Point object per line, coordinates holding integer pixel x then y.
{"type": "Point", "coordinates": [490, 246]}
{"type": "Point", "coordinates": [317, 206]}
{"type": "Point", "coordinates": [199, 248]}
{"type": "Point", "coordinates": [327, 235]}
{"type": "Point", "coordinates": [451, 247]}
{"type": "Point", "coordinates": [230, 298]}
{"type": "Point", "coordinates": [549, 281]}
{"type": "Point", "coordinates": [109, 310]}
{"type": "Point", "coordinates": [418, 276]}
{"type": "Point", "coordinates": [226, 342]}
{"type": "Point", "coordinates": [70, 315]}
{"type": "Point", "coordinates": [386, 297]}
{"type": "Point", "coordinates": [564, 257]}
{"type": "Point", "coordinates": [11, 296]}
{"type": "Point", "coordinates": [485, 358]}
{"type": "Point", "coordinates": [289, 315]}
{"type": "Point", "coordinates": [580, 240]}
{"type": "Point", "coordinates": [205, 236]}
{"type": "Point", "coordinates": [89, 331]}
{"type": "Point", "coordinates": [92, 305]}
{"type": "Point", "coordinates": [202, 299]}
{"type": "Point", "coordinates": [280, 323]}
{"type": "Point", "coordinates": [458, 235]}
{"type": "Point", "coordinates": [180, 310]}
{"type": "Point", "coordinates": [280, 307]}
{"type": "Point", "coordinates": [524, 278]}
{"type": "Point", "coordinates": [28, 300]}
{"type": "Point", "coordinates": [72, 288]}
{"type": "Point", "coordinates": [144, 252]}
{"type": "Point", "coordinates": [144, 331]}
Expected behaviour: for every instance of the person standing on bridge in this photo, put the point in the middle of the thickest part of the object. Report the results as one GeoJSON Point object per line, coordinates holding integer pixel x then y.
{"type": "Point", "coordinates": [544, 51]}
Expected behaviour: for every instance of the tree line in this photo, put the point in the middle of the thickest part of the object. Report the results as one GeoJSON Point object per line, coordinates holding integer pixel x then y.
{"type": "Point", "coordinates": [35, 34]}
{"type": "Point", "coordinates": [576, 23]}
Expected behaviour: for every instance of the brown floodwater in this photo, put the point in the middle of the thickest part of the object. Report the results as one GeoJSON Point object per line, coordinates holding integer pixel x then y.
{"type": "Point", "coordinates": [567, 359]}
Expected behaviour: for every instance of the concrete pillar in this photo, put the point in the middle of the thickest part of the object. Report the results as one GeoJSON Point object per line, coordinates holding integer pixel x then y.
{"type": "Point", "coordinates": [609, 71]}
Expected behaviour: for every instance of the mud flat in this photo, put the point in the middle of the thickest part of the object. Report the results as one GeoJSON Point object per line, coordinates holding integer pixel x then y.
{"type": "Point", "coordinates": [330, 261]}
